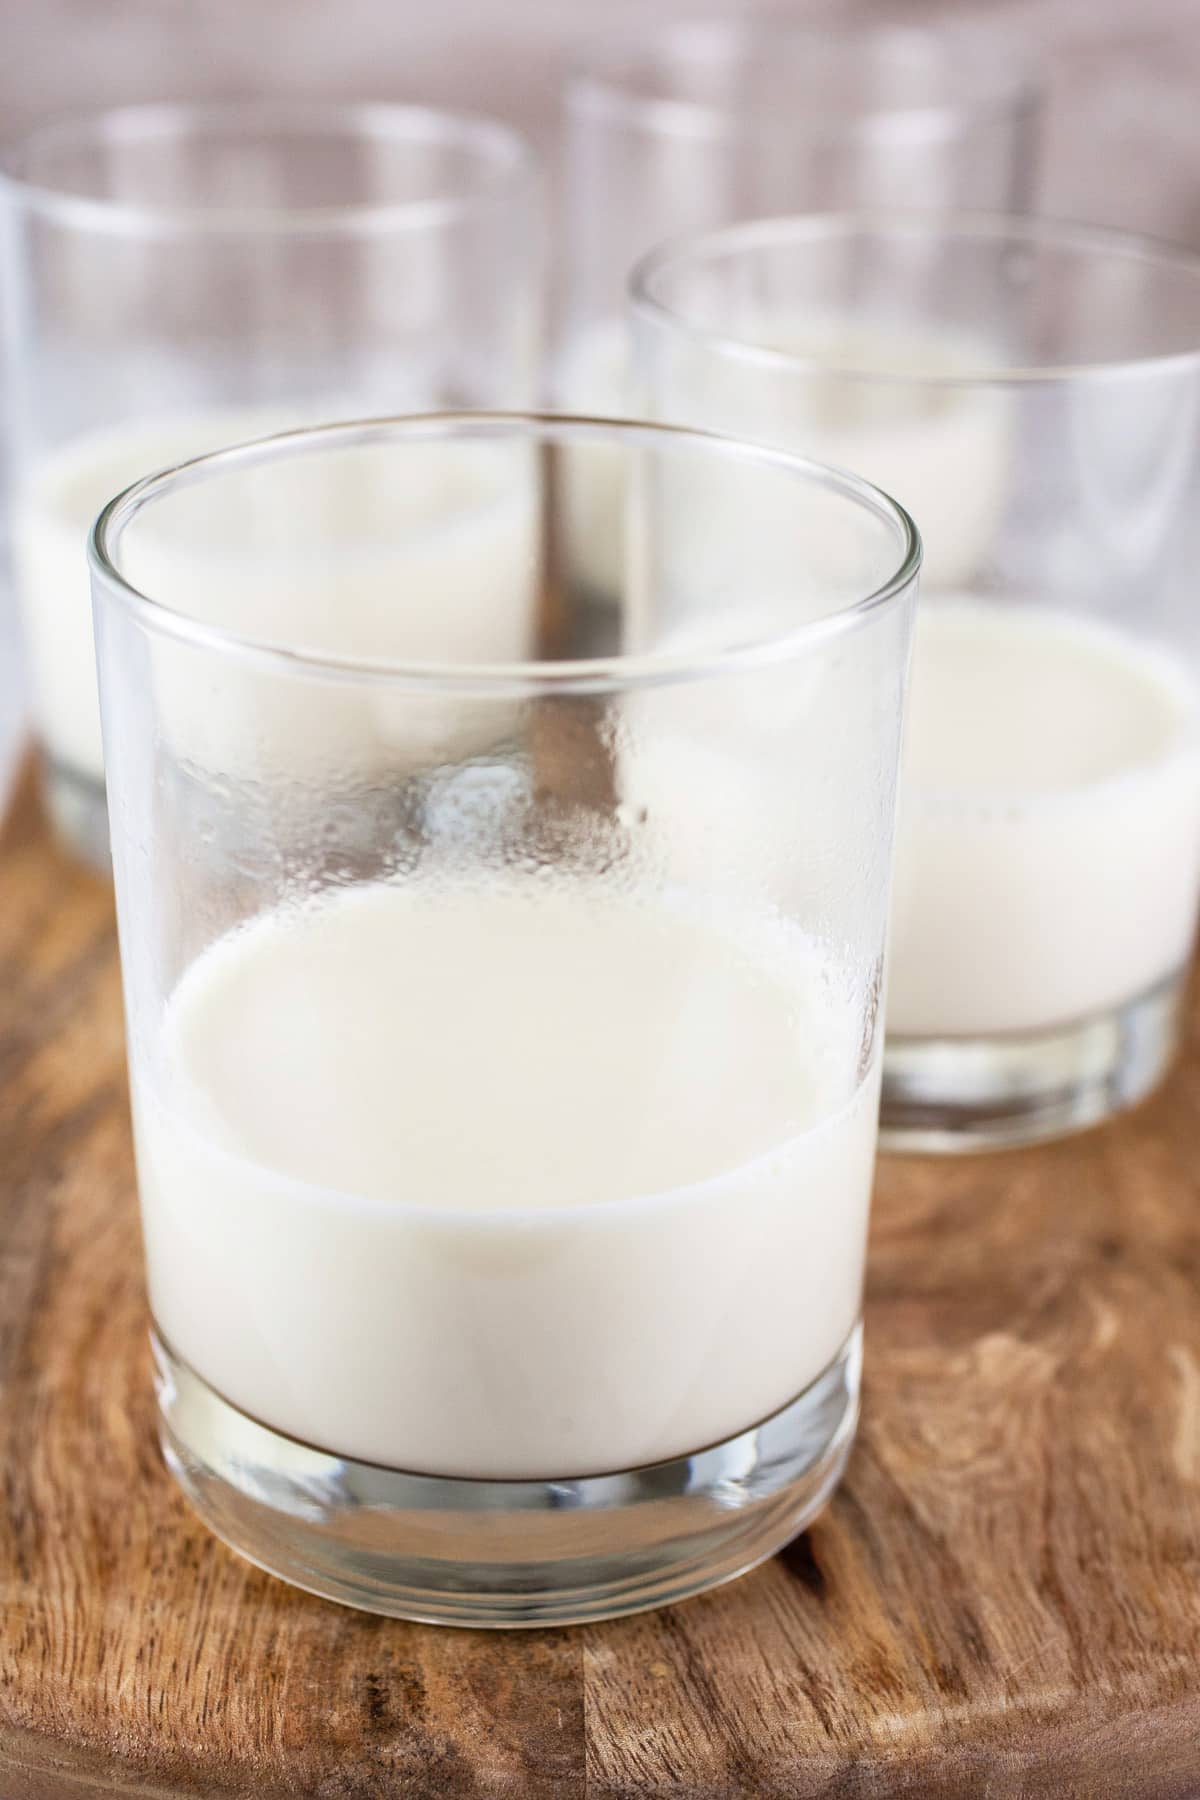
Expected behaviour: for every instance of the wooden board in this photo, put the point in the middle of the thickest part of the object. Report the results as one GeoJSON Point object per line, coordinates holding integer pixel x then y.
{"type": "Point", "coordinates": [1003, 1599]}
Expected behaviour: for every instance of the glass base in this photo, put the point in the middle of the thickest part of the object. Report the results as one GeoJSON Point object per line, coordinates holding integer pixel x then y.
{"type": "Point", "coordinates": [78, 811]}
{"type": "Point", "coordinates": [962, 1094]}
{"type": "Point", "coordinates": [506, 1553]}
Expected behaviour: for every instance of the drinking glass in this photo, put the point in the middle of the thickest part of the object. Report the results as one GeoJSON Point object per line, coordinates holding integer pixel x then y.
{"type": "Point", "coordinates": [698, 124]}
{"type": "Point", "coordinates": [502, 983]}
{"type": "Point", "coordinates": [1031, 392]}
{"type": "Point", "coordinates": [182, 277]}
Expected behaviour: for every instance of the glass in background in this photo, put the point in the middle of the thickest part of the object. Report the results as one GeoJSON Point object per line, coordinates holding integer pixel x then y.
{"type": "Point", "coordinates": [1031, 392]}
{"type": "Point", "coordinates": [699, 125]}
{"type": "Point", "coordinates": [12, 669]}
{"type": "Point", "coordinates": [504, 1173]}
{"type": "Point", "coordinates": [181, 278]}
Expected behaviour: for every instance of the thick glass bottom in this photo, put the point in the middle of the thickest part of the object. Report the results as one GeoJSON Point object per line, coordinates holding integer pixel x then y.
{"type": "Point", "coordinates": [78, 809]}
{"type": "Point", "coordinates": [506, 1553]}
{"type": "Point", "coordinates": [962, 1094]}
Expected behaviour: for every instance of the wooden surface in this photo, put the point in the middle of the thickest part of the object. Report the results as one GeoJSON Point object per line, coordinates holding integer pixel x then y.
{"type": "Point", "coordinates": [1003, 1599]}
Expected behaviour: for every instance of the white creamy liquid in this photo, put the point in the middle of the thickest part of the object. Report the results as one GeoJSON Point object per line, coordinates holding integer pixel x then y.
{"type": "Point", "coordinates": [1048, 863]}
{"type": "Point", "coordinates": [433, 562]}
{"type": "Point", "coordinates": [594, 379]}
{"type": "Point", "coordinates": [53, 511]}
{"type": "Point", "coordinates": [915, 426]}
{"type": "Point", "coordinates": [506, 1181]}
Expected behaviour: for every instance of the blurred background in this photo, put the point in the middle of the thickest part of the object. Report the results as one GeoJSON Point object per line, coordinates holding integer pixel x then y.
{"type": "Point", "coordinates": [1122, 144]}
{"type": "Point", "coordinates": [1120, 139]}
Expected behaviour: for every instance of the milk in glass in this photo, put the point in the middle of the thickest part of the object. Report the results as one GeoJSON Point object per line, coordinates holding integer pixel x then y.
{"type": "Point", "coordinates": [507, 1178]}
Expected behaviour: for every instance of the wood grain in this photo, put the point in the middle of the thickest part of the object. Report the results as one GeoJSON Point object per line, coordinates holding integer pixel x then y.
{"type": "Point", "coordinates": [1002, 1600]}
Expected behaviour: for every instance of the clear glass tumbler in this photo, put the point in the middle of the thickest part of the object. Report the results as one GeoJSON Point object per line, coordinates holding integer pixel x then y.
{"type": "Point", "coordinates": [503, 1026]}
{"type": "Point", "coordinates": [700, 124]}
{"type": "Point", "coordinates": [183, 277]}
{"type": "Point", "coordinates": [1031, 392]}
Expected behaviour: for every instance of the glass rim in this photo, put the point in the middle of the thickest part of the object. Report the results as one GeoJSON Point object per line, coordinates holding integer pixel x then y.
{"type": "Point", "coordinates": [1016, 230]}
{"type": "Point", "coordinates": [581, 675]}
{"type": "Point", "coordinates": [507, 157]}
{"type": "Point", "coordinates": [598, 78]}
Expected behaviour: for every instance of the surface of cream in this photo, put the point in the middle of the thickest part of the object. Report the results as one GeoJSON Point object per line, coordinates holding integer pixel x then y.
{"type": "Point", "coordinates": [1048, 864]}
{"type": "Point", "coordinates": [911, 423]}
{"type": "Point", "coordinates": [514, 1180]}
{"type": "Point", "coordinates": [899, 407]}
{"type": "Point", "coordinates": [437, 562]}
